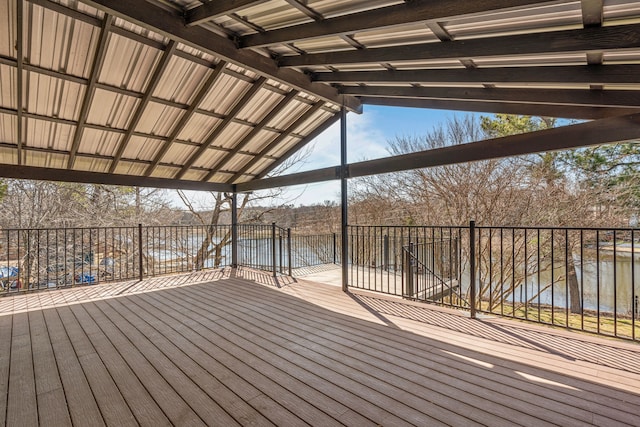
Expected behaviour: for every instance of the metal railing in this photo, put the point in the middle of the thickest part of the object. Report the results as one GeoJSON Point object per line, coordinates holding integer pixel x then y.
{"type": "Point", "coordinates": [377, 257]}
{"type": "Point", "coordinates": [53, 258]}
{"type": "Point", "coordinates": [585, 279]}
{"type": "Point", "coordinates": [578, 278]}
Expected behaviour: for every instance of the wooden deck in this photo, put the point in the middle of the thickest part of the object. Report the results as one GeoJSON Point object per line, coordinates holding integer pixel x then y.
{"type": "Point", "coordinates": [238, 348]}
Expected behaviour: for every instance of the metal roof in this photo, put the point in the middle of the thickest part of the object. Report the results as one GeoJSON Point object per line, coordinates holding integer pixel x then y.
{"type": "Point", "coordinates": [206, 94]}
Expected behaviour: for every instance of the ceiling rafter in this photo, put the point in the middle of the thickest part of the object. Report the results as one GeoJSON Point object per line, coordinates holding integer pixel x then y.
{"type": "Point", "coordinates": [611, 98]}
{"type": "Point", "coordinates": [580, 74]}
{"type": "Point", "coordinates": [193, 108]}
{"type": "Point", "coordinates": [135, 94]}
{"type": "Point", "coordinates": [142, 105]}
{"type": "Point", "coordinates": [290, 130]}
{"type": "Point", "coordinates": [401, 14]}
{"type": "Point", "coordinates": [19, 78]}
{"type": "Point", "coordinates": [215, 9]}
{"type": "Point", "coordinates": [561, 111]}
{"type": "Point", "coordinates": [98, 61]}
{"type": "Point", "coordinates": [107, 157]}
{"type": "Point", "coordinates": [171, 25]}
{"type": "Point", "coordinates": [240, 104]}
{"type": "Point", "coordinates": [293, 150]}
{"type": "Point", "coordinates": [592, 12]}
{"type": "Point", "coordinates": [597, 132]}
{"type": "Point", "coordinates": [67, 122]}
{"type": "Point", "coordinates": [578, 40]}
{"type": "Point", "coordinates": [311, 13]}
{"type": "Point", "coordinates": [273, 112]}
{"type": "Point", "coordinates": [67, 175]}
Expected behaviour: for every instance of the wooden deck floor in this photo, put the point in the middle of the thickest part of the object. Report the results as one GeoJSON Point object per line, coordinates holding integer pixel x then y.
{"type": "Point", "coordinates": [237, 348]}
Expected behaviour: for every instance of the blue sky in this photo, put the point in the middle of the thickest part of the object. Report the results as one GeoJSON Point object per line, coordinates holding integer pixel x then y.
{"type": "Point", "coordinates": [367, 136]}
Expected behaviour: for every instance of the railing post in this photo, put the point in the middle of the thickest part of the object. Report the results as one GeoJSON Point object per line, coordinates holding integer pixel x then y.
{"type": "Point", "coordinates": [472, 266]}
{"type": "Point", "coordinates": [234, 229]}
{"type": "Point", "coordinates": [289, 250]}
{"type": "Point", "coordinates": [334, 247]}
{"type": "Point", "coordinates": [344, 210]}
{"type": "Point", "coordinates": [280, 252]}
{"type": "Point", "coordinates": [385, 251]}
{"type": "Point", "coordinates": [273, 249]}
{"type": "Point", "coordinates": [409, 271]}
{"type": "Point", "coordinates": [140, 251]}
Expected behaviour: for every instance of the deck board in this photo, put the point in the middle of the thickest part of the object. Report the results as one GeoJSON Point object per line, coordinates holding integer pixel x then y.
{"type": "Point", "coordinates": [49, 391]}
{"type": "Point", "coordinates": [22, 402]}
{"type": "Point", "coordinates": [447, 390]}
{"type": "Point", "coordinates": [79, 397]}
{"type": "Point", "coordinates": [247, 349]}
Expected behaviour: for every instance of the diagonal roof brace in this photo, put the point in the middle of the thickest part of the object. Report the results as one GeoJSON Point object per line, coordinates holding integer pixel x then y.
{"type": "Point", "coordinates": [171, 25]}
{"type": "Point", "coordinates": [142, 105]}
{"type": "Point", "coordinates": [222, 126]}
{"type": "Point", "coordinates": [604, 131]}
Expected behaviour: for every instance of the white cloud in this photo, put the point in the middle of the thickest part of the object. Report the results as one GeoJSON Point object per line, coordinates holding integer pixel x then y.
{"type": "Point", "coordinates": [365, 141]}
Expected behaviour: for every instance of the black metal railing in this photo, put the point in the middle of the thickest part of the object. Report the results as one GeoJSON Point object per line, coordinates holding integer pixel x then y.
{"type": "Point", "coordinates": [54, 258]}
{"type": "Point", "coordinates": [432, 272]}
{"type": "Point", "coordinates": [579, 278]}
{"type": "Point", "coordinates": [377, 256]}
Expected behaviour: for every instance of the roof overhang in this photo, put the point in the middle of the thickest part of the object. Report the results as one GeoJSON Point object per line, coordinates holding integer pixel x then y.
{"type": "Point", "coordinates": [212, 95]}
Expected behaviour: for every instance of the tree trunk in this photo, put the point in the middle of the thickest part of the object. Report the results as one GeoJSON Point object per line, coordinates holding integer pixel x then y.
{"type": "Point", "coordinates": [575, 303]}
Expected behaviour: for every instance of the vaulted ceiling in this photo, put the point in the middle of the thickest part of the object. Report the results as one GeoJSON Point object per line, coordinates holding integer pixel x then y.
{"type": "Point", "coordinates": [205, 95]}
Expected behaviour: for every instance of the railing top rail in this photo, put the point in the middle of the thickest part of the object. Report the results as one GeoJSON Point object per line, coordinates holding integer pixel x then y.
{"type": "Point", "coordinates": [498, 227]}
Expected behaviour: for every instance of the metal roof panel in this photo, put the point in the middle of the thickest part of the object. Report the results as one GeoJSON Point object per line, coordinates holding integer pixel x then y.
{"type": "Point", "coordinates": [45, 134]}
{"type": "Point", "coordinates": [111, 109]}
{"type": "Point", "coordinates": [8, 86]}
{"type": "Point", "coordinates": [8, 28]}
{"type": "Point", "coordinates": [8, 128]}
{"type": "Point", "coordinates": [180, 153]}
{"type": "Point", "coordinates": [133, 74]}
{"type": "Point", "coordinates": [262, 103]}
{"type": "Point", "coordinates": [99, 142]}
{"type": "Point", "coordinates": [45, 160]}
{"type": "Point", "coordinates": [140, 148]}
{"type": "Point", "coordinates": [60, 43]}
{"type": "Point", "coordinates": [181, 80]}
{"type": "Point", "coordinates": [159, 119]}
{"type": "Point", "coordinates": [53, 97]}
{"type": "Point", "coordinates": [224, 94]}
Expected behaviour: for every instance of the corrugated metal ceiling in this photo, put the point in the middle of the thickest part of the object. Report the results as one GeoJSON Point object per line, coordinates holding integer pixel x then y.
{"type": "Point", "coordinates": [141, 88]}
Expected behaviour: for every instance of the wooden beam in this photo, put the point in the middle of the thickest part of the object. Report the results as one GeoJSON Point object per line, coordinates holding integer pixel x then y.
{"type": "Point", "coordinates": [573, 97]}
{"type": "Point", "coordinates": [390, 16]}
{"type": "Point", "coordinates": [306, 10]}
{"type": "Point", "coordinates": [592, 12]}
{"type": "Point", "coordinates": [222, 126]}
{"type": "Point", "coordinates": [273, 112]}
{"type": "Point", "coordinates": [580, 40]}
{"type": "Point", "coordinates": [171, 25]}
{"type": "Point", "coordinates": [293, 150]}
{"type": "Point", "coordinates": [204, 90]}
{"type": "Point", "coordinates": [605, 131]}
{"type": "Point", "coordinates": [214, 9]}
{"type": "Point", "coordinates": [98, 61]}
{"type": "Point", "coordinates": [560, 111]}
{"type": "Point", "coordinates": [581, 74]}
{"type": "Point", "coordinates": [19, 77]}
{"type": "Point", "coordinates": [70, 175]}
{"type": "Point", "coordinates": [263, 153]}
{"type": "Point", "coordinates": [142, 105]}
